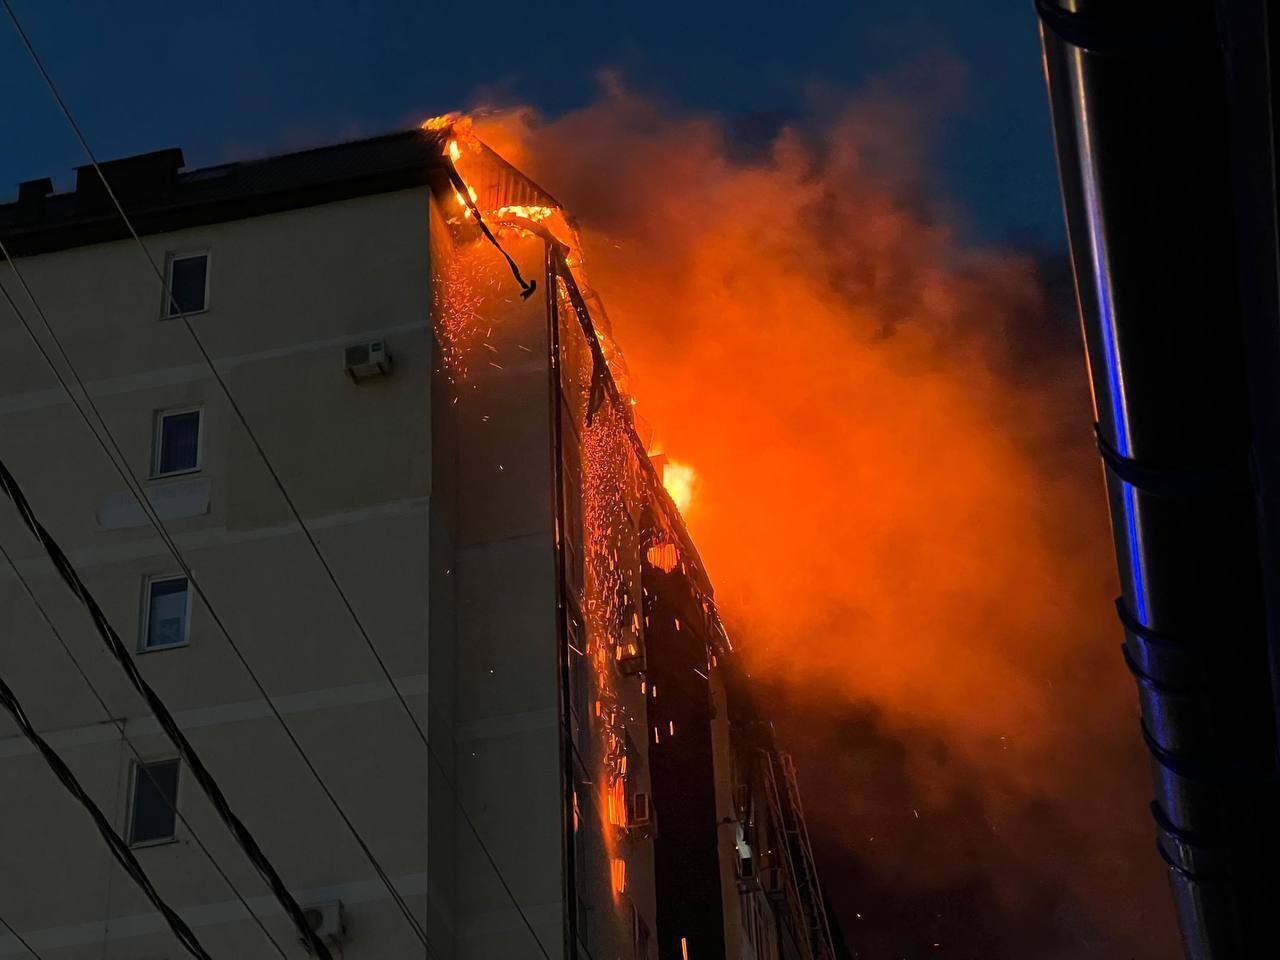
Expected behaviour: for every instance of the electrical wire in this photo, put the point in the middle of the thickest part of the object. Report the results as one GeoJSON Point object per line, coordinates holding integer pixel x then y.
{"type": "Point", "coordinates": [527, 289]}
{"type": "Point", "coordinates": [118, 460]}
{"type": "Point", "coordinates": [19, 938]}
{"type": "Point", "coordinates": [170, 802]}
{"type": "Point", "coordinates": [119, 849]}
{"type": "Point", "coordinates": [120, 463]}
{"type": "Point", "coordinates": [464, 194]}
{"type": "Point", "coordinates": [161, 712]}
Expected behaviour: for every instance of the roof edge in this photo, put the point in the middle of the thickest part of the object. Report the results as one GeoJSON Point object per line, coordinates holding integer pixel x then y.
{"type": "Point", "coordinates": [159, 197]}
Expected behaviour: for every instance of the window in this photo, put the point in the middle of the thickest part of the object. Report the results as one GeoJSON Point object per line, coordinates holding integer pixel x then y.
{"type": "Point", "coordinates": [639, 934]}
{"type": "Point", "coordinates": [187, 280]}
{"type": "Point", "coordinates": [168, 608]}
{"type": "Point", "coordinates": [177, 443]}
{"type": "Point", "coordinates": [155, 798]}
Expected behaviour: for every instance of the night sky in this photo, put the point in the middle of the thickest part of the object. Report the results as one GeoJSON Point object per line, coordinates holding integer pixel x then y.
{"type": "Point", "coordinates": [234, 79]}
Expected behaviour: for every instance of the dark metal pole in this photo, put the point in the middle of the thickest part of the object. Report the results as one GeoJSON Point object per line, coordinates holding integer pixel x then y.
{"type": "Point", "coordinates": [1140, 113]}
{"type": "Point", "coordinates": [568, 781]}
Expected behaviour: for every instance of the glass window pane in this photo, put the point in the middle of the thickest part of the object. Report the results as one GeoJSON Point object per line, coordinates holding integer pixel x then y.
{"type": "Point", "coordinates": [187, 284]}
{"type": "Point", "coordinates": [179, 442]}
{"type": "Point", "coordinates": [167, 612]}
{"type": "Point", "coordinates": [155, 793]}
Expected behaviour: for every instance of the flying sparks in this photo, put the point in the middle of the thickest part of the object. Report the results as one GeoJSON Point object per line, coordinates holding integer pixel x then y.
{"type": "Point", "coordinates": [614, 471]}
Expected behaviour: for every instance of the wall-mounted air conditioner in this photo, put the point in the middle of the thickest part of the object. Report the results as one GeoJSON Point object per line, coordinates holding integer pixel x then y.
{"type": "Point", "coordinates": [368, 359]}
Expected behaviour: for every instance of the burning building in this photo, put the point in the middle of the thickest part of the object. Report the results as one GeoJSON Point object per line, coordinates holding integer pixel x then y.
{"type": "Point", "coordinates": [342, 439]}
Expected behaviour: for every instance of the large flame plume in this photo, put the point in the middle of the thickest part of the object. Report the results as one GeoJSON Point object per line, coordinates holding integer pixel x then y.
{"type": "Point", "coordinates": [680, 479]}
{"type": "Point", "coordinates": [899, 506]}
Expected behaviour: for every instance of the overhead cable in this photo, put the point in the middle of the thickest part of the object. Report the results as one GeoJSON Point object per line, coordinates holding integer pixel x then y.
{"type": "Point", "coordinates": [170, 802]}
{"type": "Point", "coordinates": [161, 712]}
{"type": "Point", "coordinates": [19, 939]}
{"type": "Point", "coordinates": [464, 193]}
{"type": "Point", "coordinates": [119, 849]}
{"type": "Point", "coordinates": [527, 288]}
{"type": "Point", "coordinates": [112, 449]}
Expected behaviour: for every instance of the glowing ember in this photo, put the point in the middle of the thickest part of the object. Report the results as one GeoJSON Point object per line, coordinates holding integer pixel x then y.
{"type": "Point", "coordinates": [619, 873]}
{"type": "Point", "coordinates": [611, 452]}
{"type": "Point", "coordinates": [680, 480]}
{"type": "Point", "coordinates": [663, 556]}
{"type": "Point", "coordinates": [462, 283]}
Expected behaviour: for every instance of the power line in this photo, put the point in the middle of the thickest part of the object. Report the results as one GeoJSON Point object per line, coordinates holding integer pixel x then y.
{"type": "Point", "coordinates": [121, 465]}
{"type": "Point", "coordinates": [19, 938]}
{"type": "Point", "coordinates": [169, 299]}
{"type": "Point", "coordinates": [527, 289]}
{"type": "Point", "coordinates": [119, 849]}
{"type": "Point", "coordinates": [170, 802]}
{"type": "Point", "coordinates": [161, 712]}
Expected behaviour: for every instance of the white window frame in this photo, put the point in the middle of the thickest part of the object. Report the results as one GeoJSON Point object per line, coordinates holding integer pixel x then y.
{"type": "Point", "coordinates": [157, 440]}
{"type": "Point", "coordinates": [165, 294]}
{"type": "Point", "coordinates": [135, 768]}
{"type": "Point", "coordinates": [146, 615]}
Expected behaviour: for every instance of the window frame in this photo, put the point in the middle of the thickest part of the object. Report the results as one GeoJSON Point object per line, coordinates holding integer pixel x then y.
{"type": "Point", "coordinates": [157, 441]}
{"type": "Point", "coordinates": [145, 632]}
{"type": "Point", "coordinates": [135, 771]}
{"type": "Point", "coordinates": [166, 294]}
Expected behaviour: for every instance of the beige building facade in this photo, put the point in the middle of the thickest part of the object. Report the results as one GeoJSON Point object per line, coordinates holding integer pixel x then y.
{"type": "Point", "coordinates": [424, 599]}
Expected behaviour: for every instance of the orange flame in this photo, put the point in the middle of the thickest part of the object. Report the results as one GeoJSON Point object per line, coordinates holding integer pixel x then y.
{"type": "Point", "coordinates": [443, 122]}
{"type": "Point", "coordinates": [680, 480]}
{"type": "Point", "coordinates": [536, 214]}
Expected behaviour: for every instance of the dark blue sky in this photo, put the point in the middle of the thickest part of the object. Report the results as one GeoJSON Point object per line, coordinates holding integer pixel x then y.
{"type": "Point", "coordinates": [236, 78]}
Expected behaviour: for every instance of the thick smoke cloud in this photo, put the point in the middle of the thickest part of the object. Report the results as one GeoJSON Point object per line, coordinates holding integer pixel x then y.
{"type": "Point", "coordinates": [899, 505]}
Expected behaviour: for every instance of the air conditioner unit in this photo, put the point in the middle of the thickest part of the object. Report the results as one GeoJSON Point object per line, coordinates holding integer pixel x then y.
{"type": "Point", "coordinates": [369, 359]}
{"type": "Point", "coordinates": [771, 883]}
{"type": "Point", "coordinates": [326, 921]}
